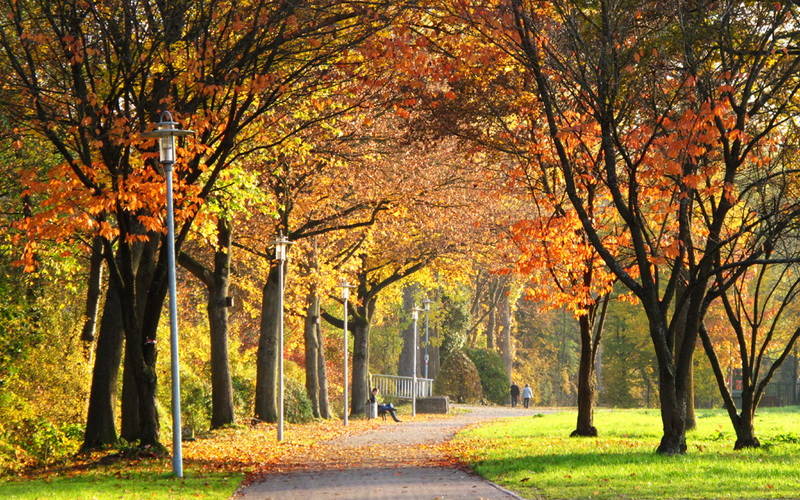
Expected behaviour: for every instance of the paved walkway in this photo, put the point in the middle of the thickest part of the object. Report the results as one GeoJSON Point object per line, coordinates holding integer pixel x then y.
{"type": "Point", "coordinates": [394, 462]}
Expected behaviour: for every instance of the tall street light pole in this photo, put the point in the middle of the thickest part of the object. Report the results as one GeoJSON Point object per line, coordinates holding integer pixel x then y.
{"type": "Point", "coordinates": [166, 132]}
{"type": "Point", "coordinates": [345, 296]}
{"type": "Point", "coordinates": [427, 308]}
{"type": "Point", "coordinates": [281, 248]}
{"type": "Point", "coordinates": [415, 316]}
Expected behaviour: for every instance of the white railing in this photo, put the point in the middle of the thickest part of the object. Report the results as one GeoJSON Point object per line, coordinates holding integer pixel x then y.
{"type": "Point", "coordinates": [401, 387]}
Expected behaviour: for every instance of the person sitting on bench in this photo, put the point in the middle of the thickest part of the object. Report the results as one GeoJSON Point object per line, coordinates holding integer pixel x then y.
{"type": "Point", "coordinates": [385, 408]}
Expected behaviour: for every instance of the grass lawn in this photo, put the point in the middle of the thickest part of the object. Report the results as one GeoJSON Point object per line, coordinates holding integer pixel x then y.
{"type": "Point", "coordinates": [535, 457]}
{"type": "Point", "coordinates": [116, 483]}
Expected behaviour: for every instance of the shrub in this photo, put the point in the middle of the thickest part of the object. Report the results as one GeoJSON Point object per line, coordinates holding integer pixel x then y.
{"type": "Point", "coordinates": [195, 403]}
{"type": "Point", "coordinates": [244, 395]}
{"type": "Point", "coordinates": [494, 381]}
{"type": "Point", "coordinates": [458, 378]}
{"type": "Point", "coordinates": [38, 442]}
{"type": "Point", "coordinates": [296, 403]}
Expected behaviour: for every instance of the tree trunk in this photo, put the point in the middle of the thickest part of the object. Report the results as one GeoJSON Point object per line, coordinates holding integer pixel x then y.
{"type": "Point", "coordinates": [505, 322]}
{"type": "Point", "coordinates": [129, 409]}
{"type": "Point", "coordinates": [405, 364]}
{"type": "Point", "coordinates": [222, 412]}
{"type": "Point", "coordinates": [266, 399]}
{"type": "Point", "coordinates": [141, 278]}
{"type": "Point", "coordinates": [673, 415]}
{"type": "Point", "coordinates": [680, 332]}
{"type": "Point", "coordinates": [744, 425]}
{"type": "Point", "coordinates": [362, 318]}
{"type": "Point", "coordinates": [145, 356]}
{"type": "Point", "coordinates": [322, 372]}
{"type": "Point", "coordinates": [141, 379]}
{"type": "Point", "coordinates": [147, 382]}
{"type": "Point", "coordinates": [585, 422]}
{"type": "Point", "coordinates": [94, 289]}
{"type": "Point", "coordinates": [312, 352]}
{"type": "Point", "coordinates": [491, 323]}
{"type": "Point", "coordinates": [360, 383]}
{"type": "Point", "coordinates": [691, 418]}
{"type": "Point", "coordinates": [100, 420]}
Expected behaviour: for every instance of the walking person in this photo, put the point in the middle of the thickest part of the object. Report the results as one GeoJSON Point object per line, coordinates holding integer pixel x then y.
{"type": "Point", "coordinates": [527, 394]}
{"type": "Point", "coordinates": [514, 394]}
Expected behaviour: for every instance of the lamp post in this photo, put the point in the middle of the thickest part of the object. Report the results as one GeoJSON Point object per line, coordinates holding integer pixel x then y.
{"type": "Point", "coordinates": [166, 132]}
{"type": "Point", "coordinates": [345, 297]}
{"type": "Point", "coordinates": [281, 248]}
{"type": "Point", "coordinates": [427, 308]}
{"type": "Point", "coordinates": [415, 316]}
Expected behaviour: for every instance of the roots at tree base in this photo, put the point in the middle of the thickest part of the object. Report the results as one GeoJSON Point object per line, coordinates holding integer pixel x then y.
{"type": "Point", "coordinates": [590, 432]}
{"type": "Point", "coordinates": [750, 442]}
{"type": "Point", "coordinates": [672, 445]}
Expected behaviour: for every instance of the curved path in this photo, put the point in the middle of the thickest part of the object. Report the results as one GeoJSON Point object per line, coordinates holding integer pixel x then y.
{"type": "Point", "coordinates": [399, 461]}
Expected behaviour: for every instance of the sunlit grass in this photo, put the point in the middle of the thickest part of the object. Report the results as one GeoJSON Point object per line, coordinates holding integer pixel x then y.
{"type": "Point", "coordinates": [535, 456]}
{"type": "Point", "coordinates": [117, 483]}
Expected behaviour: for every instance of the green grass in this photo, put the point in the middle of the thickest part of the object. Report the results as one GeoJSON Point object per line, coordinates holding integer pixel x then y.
{"type": "Point", "coordinates": [120, 484]}
{"type": "Point", "coordinates": [535, 457]}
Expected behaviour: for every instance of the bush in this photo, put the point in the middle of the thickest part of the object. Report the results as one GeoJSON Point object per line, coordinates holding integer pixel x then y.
{"type": "Point", "coordinates": [38, 442]}
{"type": "Point", "coordinates": [458, 378]}
{"type": "Point", "coordinates": [297, 406]}
{"type": "Point", "coordinates": [494, 381]}
{"type": "Point", "coordinates": [195, 403]}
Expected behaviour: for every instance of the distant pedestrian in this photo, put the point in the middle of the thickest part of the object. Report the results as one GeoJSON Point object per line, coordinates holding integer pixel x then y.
{"type": "Point", "coordinates": [514, 394]}
{"type": "Point", "coordinates": [527, 394]}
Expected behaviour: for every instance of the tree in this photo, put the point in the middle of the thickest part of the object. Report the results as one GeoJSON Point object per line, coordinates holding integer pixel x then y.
{"type": "Point", "coordinates": [756, 305]}
{"type": "Point", "coordinates": [652, 148]}
{"type": "Point", "coordinates": [91, 79]}
{"type": "Point", "coordinates": [217, 283]}
{"type": "Point", "coordinates": [300, 216]}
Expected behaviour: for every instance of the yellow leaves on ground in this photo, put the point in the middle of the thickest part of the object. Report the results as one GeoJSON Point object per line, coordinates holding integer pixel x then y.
{"type": "Point", "coordinates": [251, 448]}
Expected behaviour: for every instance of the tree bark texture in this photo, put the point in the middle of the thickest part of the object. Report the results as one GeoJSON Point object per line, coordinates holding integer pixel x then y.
{"type": "Point", "coordinates": [94, 289]}
{"type": "Point", "coordinates": [680, 329]}
{"type": "Point", "coordinates": [266, 399]}
{"type": "Point", "coordinates": [100, 420]}
{"type": "Point", "coordinates": [585, 425]}
{"type": "Point", "coordinates": [322, 373]}
{"type": "Point", "coordinates": [364, 310]}
{"type": "Point", "coordinates": [312, 352]}
{"type": "Point", "coordinates": [140, 273]}
{"type": "Point", "coordinates": [222, 411]}
{"type": "Point", "coordinates": [743, 423]}
{"type": "Point", "coordinates": [360, 383]}
{"type": "Point", "coordinates": [217, 283]}
{"type": "Point", "coordinates": [491, 326]}
{"type": "Point", "coordinates": [505, 323]}
{"type": "Point", "coordinates": [672, 398]}
{"type": "Point", "coordinates": [129, 407]}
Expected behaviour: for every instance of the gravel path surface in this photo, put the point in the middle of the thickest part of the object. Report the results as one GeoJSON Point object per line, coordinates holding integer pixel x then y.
{"type": "Point", "coordinates": [394, 462]}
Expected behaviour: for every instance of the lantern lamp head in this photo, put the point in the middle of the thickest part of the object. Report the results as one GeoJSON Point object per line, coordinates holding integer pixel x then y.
{"type": "Point", "coordinates": [166, 131]}
{"type": "Point", "coordinates": [346, 289]}
{"type": "Point", "coordinates": [281, 247]}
